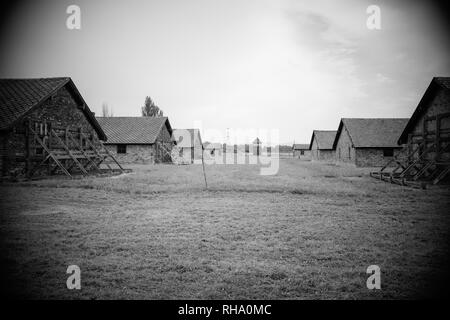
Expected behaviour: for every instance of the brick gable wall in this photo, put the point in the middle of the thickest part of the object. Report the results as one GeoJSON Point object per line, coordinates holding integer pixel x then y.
{"type": "Point", "coordinates": [61, 110]}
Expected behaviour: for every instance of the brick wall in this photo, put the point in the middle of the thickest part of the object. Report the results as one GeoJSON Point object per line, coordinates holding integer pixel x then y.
{"type": "Point", "coordinates": [3, 151]}
{"type": "Point", "coordinates": [305, 156]}
{"type": "Point", "coordinates": [361, 157]}
{"type": "Point", "coordinates": [144, 153]}
{"type": "Point", "coordinates": [344, 148]}
{"type": "Point", "coordinates": [136, 153]}
{"type": "Point", "coordinates": [164, 135]}
{"type": "Point", "coordinates": [321, 155]}
{"type": "Point", "coordinates": [165, 139]}
{"type": "Point", "coordinates": [372, 157]}
{"type": "Point", "coordinates": [327, 155]}
{"type": "Point", "coordinates": [438, 105]}
{"type": "Point", "coordinates": [314, 150]}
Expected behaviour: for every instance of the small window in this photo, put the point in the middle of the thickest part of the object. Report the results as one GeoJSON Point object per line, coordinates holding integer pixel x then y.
{"type": "Point", "coordinates": [181, 152]}
{"type": "Point", "coordinates": [302, 152]}
{"type": "Point", "coordinates": [388, 152]}
{"type": "Point", "coordinates": [122, 148]}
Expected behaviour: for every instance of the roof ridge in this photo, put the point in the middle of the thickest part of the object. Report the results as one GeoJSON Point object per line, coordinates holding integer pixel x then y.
{"type": "Point", "coordinates": [324, 130]}
{"type": "Point", "coordinates": [44, 78]}
{"type": "Point", "coordinates": [374, 118]}
{"type": "Point", "coordinates": [132, 117]}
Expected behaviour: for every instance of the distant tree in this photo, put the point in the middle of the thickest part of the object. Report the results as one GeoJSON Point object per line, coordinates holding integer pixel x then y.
{"type": "Point", "coordinates": [150, 109]}
{"type": "Point", "coordinates": [106, 112]}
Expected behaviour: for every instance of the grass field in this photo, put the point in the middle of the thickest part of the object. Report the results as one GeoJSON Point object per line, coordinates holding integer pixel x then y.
{"type": "Point", "coordinates": [308, 232]}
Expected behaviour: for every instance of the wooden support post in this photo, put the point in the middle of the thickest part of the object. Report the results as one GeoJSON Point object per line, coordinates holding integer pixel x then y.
{"type": "Point", "coordinates": [83, 152]}
{"type": "Point", "coordinates": [204, 172]}
{"type": "Point", "coordinates": [424, 133]}
{"type": "Point", "coordinates": [32, 170]}
{"type": "Point", "coordinates": [50, 153]}
{"type": "Point", "coordinates": [91, 138]}
{"type": "Point", "coordinates": [442, 175]}
{"type": "Point", "coordinates": [47, 129]}
{"type": "Point", "coordinates": [80, 166]}
{"type": "Point", "coordinates": [28, 149]}
{"type": "Point", "coordinates": [410, 149]}
{"type": "Point", "coordinates": [102, 156]}
{"type": "Point", "coordinates": [438, 137]}
{"type": "Point", "coordinates": [80, 134]}
{"type": "Point", "coordinates": [66, 135]}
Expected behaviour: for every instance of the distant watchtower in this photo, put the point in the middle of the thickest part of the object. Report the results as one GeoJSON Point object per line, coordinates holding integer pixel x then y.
{"type": "Point", "coordinates": [257, 147]}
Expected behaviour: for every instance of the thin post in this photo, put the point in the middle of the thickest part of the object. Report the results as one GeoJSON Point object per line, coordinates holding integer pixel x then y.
{"type": "Point", "coordinates": [28, 148]}
{"type": "Point", "coordinates": [424, 132]}
{"type": "Point", "coordinates": [50, 153]}
{"type": "Point", "coordinates": [204, 172]}
{"type": "Point", "coordinates": [438, 137]}
{"type": "Point", "coordinates": [74, 159]}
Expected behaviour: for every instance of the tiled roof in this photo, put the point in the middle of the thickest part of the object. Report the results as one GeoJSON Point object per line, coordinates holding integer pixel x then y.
{"type": "Point", "coordinates": [133, 130]}
{"type": "Point", "coordinates": [443, 81]}
{"type": "Point", "coordinates": [373, 133]}
{"type": "Point", "coordinates": [298, 146]}
{"type": "Point", "coordinates": [438, 84]}
{"type": "Point", "coordinates": [20, 96]}
{"type": "Point", "coordinates": [187, 138]}
{"type": "Point", "coordinates": [324, 139]}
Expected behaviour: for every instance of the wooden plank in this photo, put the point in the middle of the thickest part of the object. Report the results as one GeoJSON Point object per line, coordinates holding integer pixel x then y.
{"type": "Point", "coordinates": [82, 151]}
{"type": "Point", "coordinates": [441, 175]}
{"type": "Point", "coordinates": [80, 166]}
{"type": "Point", "coordinates": [96, 152]}
{"type": "Point", "coordinates": [441, 115]}
{"type": "Point", "coordinates": [28, 149]}
{"type": "Point", "coordinates": [50, 153]}
{"type": "Point", "coordinates": [438, 133]}
{"type": "Point", "coordinates": [110, 155]}
{"type": "Point", "coordinates": [32, 170]}
{"type": "Point", "coordinates": [421, 158]}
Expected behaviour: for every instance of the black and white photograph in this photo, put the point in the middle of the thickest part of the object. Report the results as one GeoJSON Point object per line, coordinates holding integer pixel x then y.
{"type": "Point", "coordinates": [224, 150]}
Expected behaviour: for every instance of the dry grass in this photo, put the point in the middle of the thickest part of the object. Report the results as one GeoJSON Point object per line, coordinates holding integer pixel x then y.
{"type": "Point", "coordinates": [308, 232]}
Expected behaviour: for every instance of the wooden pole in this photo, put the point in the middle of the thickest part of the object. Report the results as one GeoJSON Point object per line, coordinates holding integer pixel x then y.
{"type": "Point", "coordinates": [28, 149]}
{"type": "Point", "coordinates": [204, 173]}
{"type": "Point", "coordinates": [438, 137]}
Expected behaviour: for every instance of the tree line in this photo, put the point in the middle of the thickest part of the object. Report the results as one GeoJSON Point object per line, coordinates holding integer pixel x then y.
{"type": "Point", "coordinates": [149, 109]}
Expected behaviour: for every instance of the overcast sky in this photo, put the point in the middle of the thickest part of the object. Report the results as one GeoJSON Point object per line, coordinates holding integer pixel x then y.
{"type": "Point", "coordinates": [288, 64]}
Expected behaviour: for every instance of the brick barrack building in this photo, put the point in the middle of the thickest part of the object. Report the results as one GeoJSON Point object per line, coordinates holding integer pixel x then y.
{"type": "Point", "coordinates": [368, 142]}
{"type": "Point", "coordinates": [46, 128]}
{"type": "Point", "coordinates": [139, 139]}
{"type": "Point", "coordinates": [321, 145]}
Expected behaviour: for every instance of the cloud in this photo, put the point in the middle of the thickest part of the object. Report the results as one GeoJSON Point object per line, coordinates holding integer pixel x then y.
{"type": "Point", "coordinates": [383, 79]}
